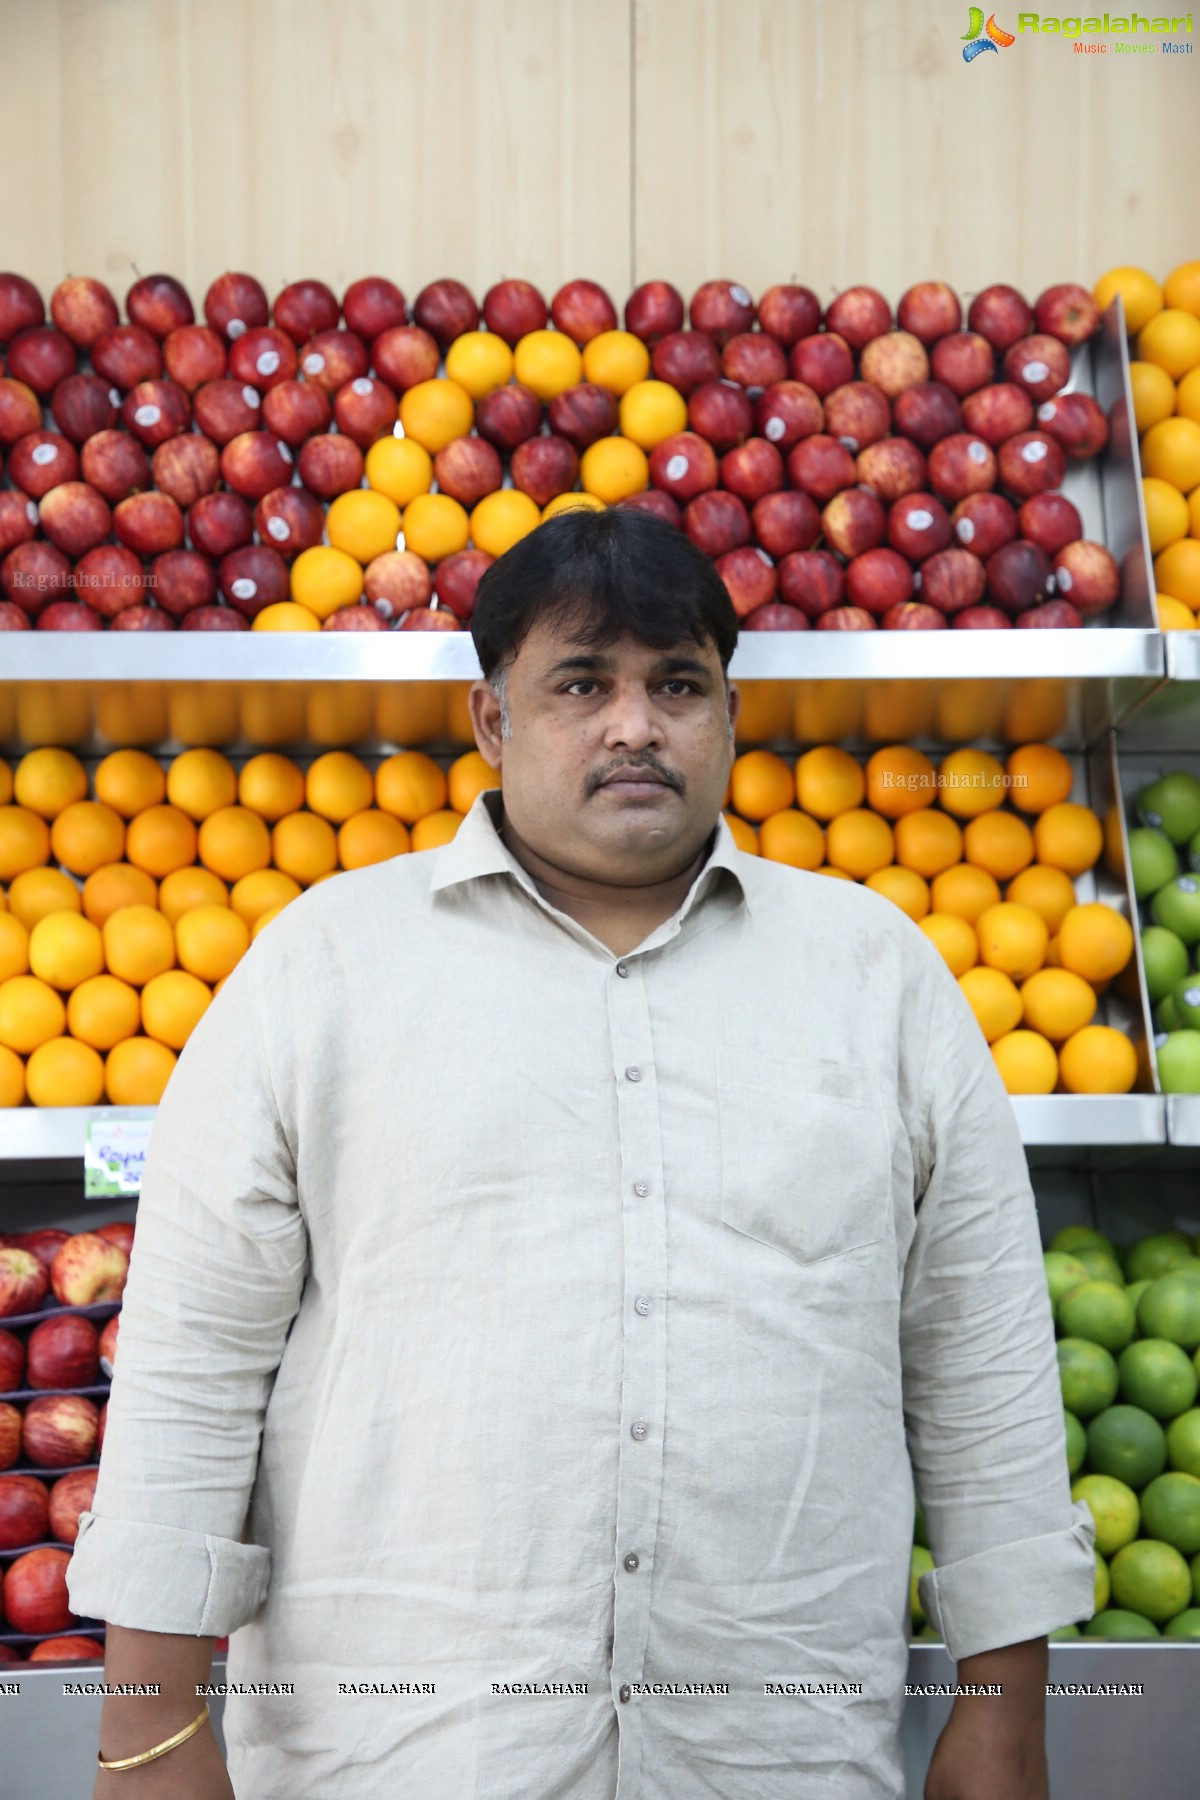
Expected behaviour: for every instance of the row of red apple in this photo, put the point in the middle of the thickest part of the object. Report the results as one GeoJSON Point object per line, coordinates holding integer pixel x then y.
{"type": "Point", "coordinates": [34, 1602]}
{"type": "Point", "coordinates": [81, 1268]}
{"type": "Point", "coordinates": [31, 1512]}
{"type": "Point", "coordinates": [55, 1431]}
{"type": "Point", "coordinates": [63, 1350]}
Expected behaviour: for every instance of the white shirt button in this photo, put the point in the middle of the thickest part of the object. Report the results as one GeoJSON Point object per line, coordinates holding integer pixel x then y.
{"type": "Point", "coordinates": [642, 1304]}
{"type": "Point", "coordinates": [622, 969]}
{"type": "Point", "coordinates": [641, 1189]}
{"type": "Point", "coordinates": [631, 1561]}
{"type": "Point", "coordinates": [625, 1690]}
{"type": "Point", "coordinates": [633, 1074]}
{"type": "Point", "coordinates": [638, 1429]}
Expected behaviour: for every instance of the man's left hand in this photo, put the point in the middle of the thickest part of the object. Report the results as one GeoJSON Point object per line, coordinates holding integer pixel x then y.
{"type": "Point", "coordinates": [993, 1746]}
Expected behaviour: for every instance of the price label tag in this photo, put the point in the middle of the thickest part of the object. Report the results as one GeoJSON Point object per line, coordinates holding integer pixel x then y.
{"type": "Point", "coordinates": [114, 1156]}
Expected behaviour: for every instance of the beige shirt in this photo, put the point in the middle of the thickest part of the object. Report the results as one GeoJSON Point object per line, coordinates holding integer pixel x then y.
{"type": "Point", "coordinates": [567, 1323]}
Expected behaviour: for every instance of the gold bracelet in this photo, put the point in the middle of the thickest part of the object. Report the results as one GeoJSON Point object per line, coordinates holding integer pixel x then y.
{"type": "Point", "coordinates": [145, 1756]}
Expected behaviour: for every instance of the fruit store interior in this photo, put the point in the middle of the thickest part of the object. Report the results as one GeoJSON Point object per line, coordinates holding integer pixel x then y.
{"type": "Point", "coordinates": [402, 280]}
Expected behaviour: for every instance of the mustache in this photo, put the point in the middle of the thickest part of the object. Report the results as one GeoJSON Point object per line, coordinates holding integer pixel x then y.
{"type": "Point", "coordinates": [667, 776]}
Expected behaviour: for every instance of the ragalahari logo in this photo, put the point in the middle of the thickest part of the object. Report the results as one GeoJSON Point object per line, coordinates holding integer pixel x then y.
{"type": "Point", "coordinates": [981, 37]}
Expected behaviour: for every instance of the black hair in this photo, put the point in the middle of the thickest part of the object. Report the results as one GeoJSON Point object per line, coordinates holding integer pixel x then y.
{"type": "Point", "coordinates": [601, 574]}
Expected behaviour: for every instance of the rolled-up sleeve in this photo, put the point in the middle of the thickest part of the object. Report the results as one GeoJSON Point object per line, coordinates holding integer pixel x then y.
{"type": "Point", "coordinates": [215, 1278]}
{"type": "Point", "coordinates": [1013, 1554]}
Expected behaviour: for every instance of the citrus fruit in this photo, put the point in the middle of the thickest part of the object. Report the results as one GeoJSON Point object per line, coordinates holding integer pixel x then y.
{"type": "Point", "coordinates": [5, 783]}
{"type": "Point", "coordinates": [1063, 1272]}
{"type": "Point", "coordinates": [1173, 615]}
{"type": "Point", "coordinates": [86, 835]}
{"type": "Point", "coordinates": [1177, 571]}
{"type": "Point", "coordinates": [65, 1072]}
{"type": "Point", "coordinates": [1038, 777]}
{"type": "Point", "coordinates": [138, 944]}
{"type": "Point", "coordinates": [188, 887]}
{"type": "Point", "coordinates": [337, 785]}
{"type": "Point", "coordinates": [1127, 1443]}
{"type": "Point", "coordinates": [1158, 1376]}
{"type": "Point", "coordinates": [435, 526]}
{"type": "Point", "coordinates": [102, 1011]}
{"type": "Point", "coordinates": [199, 781]}
{"type": "Point", "coordinates": [326, 577]}
{"type": "Point", "coordinates": [1013, 939]}
{"type": "Point", "coordinates": [260, 924]}
{"type": "Point", "coordinates": [48, 779]}
{"type": "Point", "coordinates": [210, 941]}
{"type": "Point", "coordinates": [617, 360]}
{"type": "Point", "coordinates": [304, 847]}
{"type": "Point", "coordinates": [24, 841]}
{"type": "Point", "coordinates": [1142, 295]}
{"type": "Point", "coordinates": [954, 938]}
{"type": "Point", "coordinates": [286, 615]}
{"type": "Point", "coordinates": [744, 835]}
{"type": "Point", "coordinates": [1151, 1257]}
{"type": "Point", "coordinates": [1057, 1003]}
{"type": "Point", "coordinates": [1080, 1237]}
{"type": "Point", "coordinates": [435, 412]}
{"type": "Point", "coordinates": [363, 523]}
{"type": "Point", "coordinates": [790, 836]}
{"type": "Point", "coordinates": [967, 891]}
{"type": "Point", "coordinates": [39, 892]}
{"type": "Point", "coordinates": [271, 785]}
{"type": "Point", "coordinates": [469, 775]}
{"type": "Point", "coordinates": [502, 519]}
{"type": "Point", "coordinates": [903, 887]}
{"type": "Point", "coordinates": [1170, 1309]}
{"type": "Point", "coordinates": [435, 828]}
{"type": "Point", "coordinates": [65, 949]}
{"type": "Point", "coordinates": [994, 999]}
{"type": "Point", "coordinates": [651, 411]}
{"type": "Point", "coordinates": [1187, 401]}
{"type": "Point", "coordinates": [1182, 287]}
{"type": "Point", "coordinates": [369, 837]}
{"type": "Point", "coordinates": [1088, 1374]}
{"type": "Point", "coordinates": [1171, 339]}
{"type": "Point", "coordinates": [1114, 1623]}
{"type": "Point", "coordinates": [12, 1077]}
{"type": "Point", "coordinates": [14, 947]}
{"type": "Point", "coordinates": [1183, 1442]}
{"type": "Point", "coordinates": [1076, 1438]}
{"type": "Point", "coordinates": [1099, 1311]}
{"type": "Point", "coordinates": [400, 468]}
{"type": "Point", "coordinates": [233, 842]}
{"type": "Point", "coordinates": [136, 1071]}
{"type": "Point", "coordinates": [409, 785]}
{"type": "Point", "coordinates": [573, 502]}
{"type": "Point", "coordinates": [828, 781]}
{"type": "Point", "coordinates": [129, 781]}
{"type": "Point", "coordinates": [761, 783]}
{"type": "Point", "coordinates": [1114, 1508]}
{"type": "Point", "coordinates": [1151, 1578]}
{"type": "Point", "coordinates": [999, 843]}
{"type": "Point", "coordinates": [263, 890]}
{"type": "Point", "coordinates": [31, 1013]}
{"type": "Point", "coordinates": [860, 842]}
{"type": "Point", "coordinates": [929, 841]}
{"type": "Point", "coordinates": [1170, 451]}
{"type": "Point", "coordinates": [1101, 1265]}
{"type": "Point", "coordinates": [1153, 394]}
{"type": "Point", "coordinates": [1095, 940]}
{"type": "Point", "coordinates": [115, 885]}
{"type": "Point", "coordinates": [970, 782]}
{"type": "Point", "coordinates": [480, 361]}
{"type": "Point", "coordinates": [613, 468]}
{"type": "Point", "coordinates": [1026, 1061]}
{"type": "Point", "coordinates": [1069, 837]}
{"type": "Point", "coordinates": [172, 1006]}
{"type": "Point", "coordinates": [1171, 1512]}
{"type": "Point", "coordinates": [1185, 1624]}
{"type": "Point", "coordinates": [1166, 513]}
{"type": "Point", "coordinates": [549, 362]}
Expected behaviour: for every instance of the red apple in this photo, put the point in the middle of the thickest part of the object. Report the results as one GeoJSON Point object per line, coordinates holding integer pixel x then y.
{"type": "Point", "coordinates": [82, 308]}
{"type": "Point", "coordinates": [775, 616]}
{"type": "Point", "coordinates": [64, 1352]}
{"type": "Point", "coordinates": [21, 410]}
{"type": "Point", "coordinates": [125, 355]}
{"type": "Point", "coordinates": [1066, 312]}
{"type": "Point", "coordinates": [654, 310]}
{"type": "Point", "coordinates": [35, 1591]}
{"type": "Point", "coordinates": [59, 1430]}
{"type": "Point", "coordinates": [1000, 315]}
{"type": "Point", "coordinates": [187, 467]}
{"type": "Point", "coordinates": [209, 618]}
{"type": "Point", "coordinates": [929, 310]}
{"type": "Point", "coordinates": [685, 360]}
{"type": "Point", "coordinates": [224, 409]}
{"type": "Point", "coordinates": [997, 412]}
{"type": "Point", "coordinates": [853, 522]}
{"type": "Point", "coordinates": [1053, 615]}
{"type": "Point", "coordinates": [983, 522]}
{"type": "Point", "coordinates": [254, 462]}
{"type": "Point", "coordinates": [752, 469]}
{"type": "Point", "coordinates": [12, 1362]}
{"type": "Point", "coordinates": [785, 522]}
{"type": "Point", "coordinates": [403, 355]}
{"type": "Point", "coordinates": [1030, 463]}
{"type": "Point", "coordinates": [84, 405]}
{"type": "Point", "coordinates": [398, 581]}
{"type": "Point", "coordinates": [750, 578]}
{"type": "Point", "coordinates": [1073, 420]}
{"type": "Point", "coordinates": [1087, 575]}
{"type": "Point", "coordinates": [218, 523]}
{"type": "Point", "coordinates": [305, 307]}
{"type": "Point", "coordinates": [877, 580]}
{"type": "Point", "coordinates": [355, 618]}
{"type": "Point", "coordinates": [45, 1242]}
{"type": "Point", "coordinates": [509, 415]}
{"type": "Point", "coordinates": [35, 573]}
{"type": "Point", "coordinates": [858, 414]}
{"type": "Point", "coordinates": [194, 354]}
{"type": "Point", "coordinates": [894, 362]}
{"type": "Point", "coordinates": [721, 412]}
{"type": "Point", "coordinates": [110, 578]}
{"type": "Point", "coordinates": [88, 1269]}
{"type": "Point", "coordinates": [107, 1346]}
{"type": "Point", "coordinates": [858, 314]}
{"type": "Point", "coordinates": [332, 358]}
{"type": "Point", "coordinates": [114, 464]}
{"type": "Point", "coordinates": [149, 523]}
{"type": "Point", "coordinates": [913, 615]}
{"type": "Point", "coordinates": [10, 1435]}
{"type": "Point", "coordinates": [821, 466]}
{"type": "Point", "coordinates": [40, 461]}
{"type": "Point", "coordinates": [251, 578]}
{"type": "Point", "coordinates": [654, 500]}
{"type": "Point", "coordinates": [296, 410]}
{"type": "Point", "coordinates": [786, 412]}
{"type": "Point", "coordinates": [69, 1647]}
{"type": "Point", "coordinates": [236, 303]}
{"type": "Point", "coordinates": [18, 518]}
{"type": "Point", "coordinates": [372, 305]}
{"type": "Point", "coordinates": [1049, 521]}
{"type": "Point", "coordinates": [812, 580]}
{"type": "Point", "coordinates": [445, 309]}
{"type": "Point", "coordinates": [263, 357]}
{"type": "Point", "coordinates": [290, 519]}
{"type": "Point", "coordinates": [952, 580]}
{"type": "Point", "coordinates": [1017, 575]}
{"type": "Point", "coordinates": [717, 522]}
{"type": "Point", "coordinates": [891, 468]}
{"type": "Point", "coordinates": [927, 413]}
{"type": "Point", "coordinates": [69, 615]}
{"type": "Point", "coordinates": [1040, 365]}
{"type": "Point", "coordinates": [512, 308]}
{"type": "Point", "coordinates": [142, 618]}
{"type": "Point", "coordinates": [722, 309]}
{"type": "Point", "coordinates": [542, 467]}
{"type": "Point", "coordinates": [159, 304]}
{"type": "Point", "coordinates": [365, 409]}
{"type": "Point", "coordinates": [181, 580]}
{"type": "Point", "coordinates": [41, 357]}
{"type": "Point", "coordinates": [20, 306]}
{"type": "Point", "coordinates": [961, 465]}
{"type": "Point", "coordinates": [582, 414]}
{"type": "Point", "coordinates": [789, 312]}
{"type": "Point", "coordinates": [154, 411]}
{"type": "Point", "coordinates": [75, 517]}
{"type": "Point", "coordinates": [24, 1511]}
{"type": "Point", "coordinates": [918, 526]}
{"type": "Point", "coordinates": [846, 618]}
{"type": "Point", "coordinates": [823, 361]}
{"type": "Point", "coordinates": [457, 581]}
{"type": "Point", "coordinates": [981, 618]}
{"type": "Point", "coordinates": [330, 464]}
{"type": "Point", "coordinates": [427, 618]}
{"type": "Point", "coordinates": [754, 360]}
{"type": "Point", "coordinates": [964, 362]}
{"type": "Point", "coordinates": [467, 468]}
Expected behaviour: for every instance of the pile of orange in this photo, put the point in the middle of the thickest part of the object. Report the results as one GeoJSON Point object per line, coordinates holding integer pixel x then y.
{"type": "Point", "coordinates": [983, 856]}
{"type": "Point", "coordinates": [1165, 377]}
{"type": "Point", "coordinates": [126, 902]}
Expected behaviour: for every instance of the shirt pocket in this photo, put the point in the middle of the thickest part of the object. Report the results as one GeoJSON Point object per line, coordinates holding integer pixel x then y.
{"type": "Point", "coordinates": [805, 1153]}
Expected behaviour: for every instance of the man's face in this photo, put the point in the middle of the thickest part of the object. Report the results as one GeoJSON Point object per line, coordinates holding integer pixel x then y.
{"type": "Point", "coordinates": [618, 760]}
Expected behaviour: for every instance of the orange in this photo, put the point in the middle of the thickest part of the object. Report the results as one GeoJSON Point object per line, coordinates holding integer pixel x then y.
{"type": "Point", "coordinates": [1096, 941]}
{"type": "Point", "coordinates": [501, 519]}
{"type": "Point", "coordinates": [1187, 396]}
{"type": "Point", "coordinates": [304, 846]}
{"type": "Point", "coordinates": [14, 947]}
{"type": "Point", "coordinates": [173, 1004]}
{"type": "Point", "coordinates": [480, 361]}
{"type": "Point", "coordinates": [613, 468]}
{"type": "Point", "coordinates": [138, 944]}
{"type": "Point", "coordinates": [271, 785]}
{"type": "Point", "coordinates": [1167, 516]}
{"type": "Point", "coordinates": [63, 1072]}
{"type": "Point", "coordinates": [904, 887]}
{"type": "Point", "coordinates": [436, 412]}
{"type": "Point", "coordinates": [286, 615]}
{"type": "Point", "coordinates": [210, 941]}
{"type": "Point", "coordinates": [828, 781]}
{"type": "Point", "coordinates": [1172, 340]}
{"type": "Point", "coordinates": [199, 781]}
{"type": "Point", "coordinates": [6, 785]}
{"type": "Point", "coordinates": [363, 523]}
{"type": "Point", "coordinates": [1142, 295]}
{"type": "Point", "coordinates": [115, 885]}
{"type": "Point", "coordinates": [970, 782]}
{"type": "Point", "coordinates": [369, 837]}
{"type": "Point", "coordinates": [193, 886]}
{"type": "Point", "coordinates": [615, 360]}
{"type": "Point", "coordinates": [571, 503]}
{"type": "Point", "coordinates": [838, 874]}
{"type": "Point", "coordinates": [1012, 938]}
{"type": "Point", "coordinates": [1039, 776]}
{"type": "Point", "coordinates": [129, 781]}
{"type": "Point", "coordinates": [234, 842]}
{"type": "Point", "coordinates": [338, 784]}
{"type": "Point", "coordinates": [137, 1071]}
{"type": "Point", "coordinates": [1171, 451]}
{"type": "Point", "coordinates": [1000, 843]}
{"type": "Point", "coordinates": [39, 892]}
{"type": "Point", "coordinates": [469, 775]}
{"type": "Point", "coordinates": [791, 837]}
{"type": "Point", "coordinates": [435, 829]}
{"type": "Point", "coordinates": [102, 1011]}
{"type": "Point", "coordinates": [760, 783]}
{"type": "Point", "coordinates": [860, 842]}
{"type": "Point", "coordinates": [326, 577]}
{"type": "Point", "coordinates": [1050, 892]}
{"type": "Point", "coordinates": [409, 785]}
{"type": "Point", "coordinates": [263, 890]}
{"type": "Point", "coordinates": [1177, 571]}
{"type": "Point", "coordinates": [46, 780]}
{"type": "Point", "coordinates": [65, 949]}
{"type": "Point", "coordinates": [954, 937]}
{"type": "Point", "coordinates": [1182, 288]}
{"type": "Point", "coordinates": [1173, 615]}
{"type": "Point", "coordinates": [260, 924]}
{"type": "Point", "coordinates": [549, 362]}
{"type": "Point", "coordinates": [12, 1077]}
{"type": "Point", "coordinates": [928, 841]}
{"type": "Point", "coordinates": [965, 891]}
{"type": "Point", "coordinates": [435, 525]}
{"type": "Point", "coordinates": [1053, 954]}
{"type": "Point", "coordinates": [1057, 1003]}
{"type": "Point", "coordinates": [1027, 1062]}
{"type": "Point", "coordinates": [400, 468]}
{"type": "Point", "coordinates": [30, 1013]}
{"type": "Point", "coordinates": [900, 780]}
{"type": "Point", "coordinates": [744, 834]}
{"type": "Point", "coordinates": [160, 840]}
{"type": "Point", "coordinates": [86, 835]}
{"type": "Point", "coordinates": [994, 999]}
{"type": "Point", "coordinates": [1153, 394]}
{"type": "Point", "coordinates": [651, 411]}
{"type": "Point", "coordinates": [1069, 837]}
{"type": "Point", "coordinates": [1098, 1060]}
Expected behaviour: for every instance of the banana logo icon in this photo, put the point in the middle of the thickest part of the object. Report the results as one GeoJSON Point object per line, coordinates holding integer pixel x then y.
{"type": "Point", "coordinates": [980, 37]}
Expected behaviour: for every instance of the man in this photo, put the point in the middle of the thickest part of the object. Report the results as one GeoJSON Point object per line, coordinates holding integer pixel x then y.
{"type": "Point", "coordinates": [559, 1242]}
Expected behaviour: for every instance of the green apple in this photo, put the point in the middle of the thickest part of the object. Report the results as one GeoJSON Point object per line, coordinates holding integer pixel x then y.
{"type": "Point", "coordinates": [1192, 853]}
{"type": "Point", "coordinates": [1177, 906]}
{"type": "Point", "coordinates": [1187, 1002]}
{"type": "Point", "coordinates": [1172, 805]}
{"type": "Point", "coordinates": [1179, 1062]}
{"type": "Point", "coordinates": [1166, 960]}
{"type": "Point", "coordinates": [1166, 1015]}
{"type": "Point", "coordinates": [1153, 859]}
